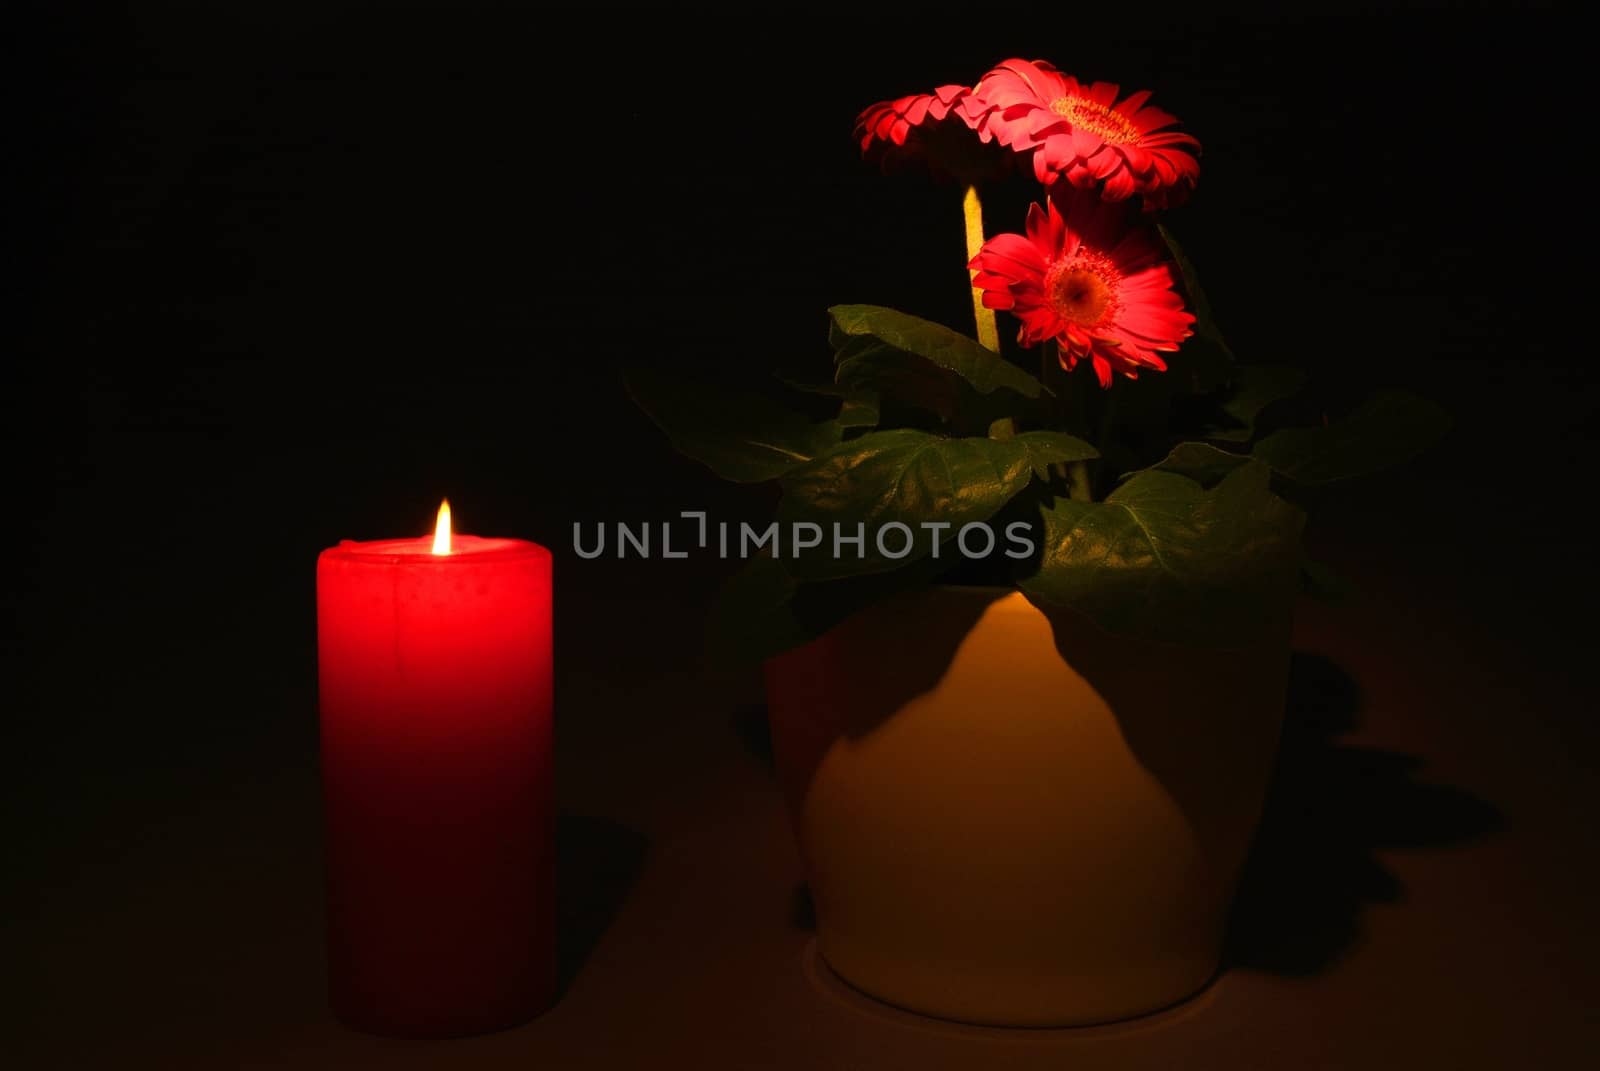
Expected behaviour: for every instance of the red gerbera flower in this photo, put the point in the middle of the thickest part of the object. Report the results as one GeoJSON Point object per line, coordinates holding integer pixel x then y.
{"type": "Point", "coordinates": [939, 129]}
{"type": "Point", "coordinates": [1094, 279]}
{"type": "Point", "coordinates": [1084, 135]}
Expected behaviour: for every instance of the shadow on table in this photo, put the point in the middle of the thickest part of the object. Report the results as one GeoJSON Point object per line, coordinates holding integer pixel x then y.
{"type": "Point", "coordinates": [1330, 808]}
{"type": "Point", "coordinates": [599, 862]}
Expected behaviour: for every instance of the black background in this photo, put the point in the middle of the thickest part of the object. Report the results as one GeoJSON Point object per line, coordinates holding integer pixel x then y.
{"type": "Point", "coordinates": [290, 276]}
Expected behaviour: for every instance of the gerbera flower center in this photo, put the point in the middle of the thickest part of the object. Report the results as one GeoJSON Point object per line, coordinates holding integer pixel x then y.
{"type": "Point", "coordinates": [1083, 290]}
{"type": "Point", "coordinates": [1109, 125]}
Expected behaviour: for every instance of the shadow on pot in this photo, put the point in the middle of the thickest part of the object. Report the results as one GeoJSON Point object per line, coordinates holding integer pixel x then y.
{"type": "Point", "coordinates": [1312, 869]}
{"type": "Point", "coordinates": [897, 666]}
{"type": "Point", "coordinates": [1330, 808]}
{"type": "Point", "coordinates": [598, 862]}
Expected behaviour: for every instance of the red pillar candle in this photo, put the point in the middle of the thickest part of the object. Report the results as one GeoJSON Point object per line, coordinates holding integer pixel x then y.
{"type": "Point", "coordinates": [434, 661]}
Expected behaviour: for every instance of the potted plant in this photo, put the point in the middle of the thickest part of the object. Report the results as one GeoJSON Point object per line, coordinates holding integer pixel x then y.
{"type": "Point", "coordinates": [1026, 632]}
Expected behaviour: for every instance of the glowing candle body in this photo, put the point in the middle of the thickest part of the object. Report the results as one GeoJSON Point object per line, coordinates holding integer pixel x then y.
{"type": "Point", "coordinates": [435, 682]}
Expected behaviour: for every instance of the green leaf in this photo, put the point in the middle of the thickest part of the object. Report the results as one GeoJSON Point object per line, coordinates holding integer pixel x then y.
{"type": "Point", "coordinates": [1205, 324]}
{"type": "Point", "coordinates": [984, 369]}
{"type": "Point", "coordinates": [860, 410]}
{"type": "Point", "coordinates": [763, 610]}
{"type": "Point", "coordinates": [1256, 386]}
{"type": "Point", "coordinates": [1387, 429]}
{"type": "Point", "coordinates": [743, 437]}
{"type": "Point", "coordinates": [1046, 448]}
{"type": "Point", "coordinates": [869, 368]}
{"type": "Point", "coordinates": [1205, 361]}
{"type": "Point", "coordinates": [1201, 462]}
{"type": "Point", "coordinates": [1164, 559]}
{"type": "Point", "coordinates": [902, 477]}
{"type": "Point", "coordinates": [857, 409]}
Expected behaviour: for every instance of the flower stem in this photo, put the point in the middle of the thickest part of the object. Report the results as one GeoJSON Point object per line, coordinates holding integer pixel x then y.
{"type": "Point", "coordinates": [972, 209]}
{"type": "Point", "coordinates": [1078, 482]}
{"type": "Point", "coordinates": [1069, 406]}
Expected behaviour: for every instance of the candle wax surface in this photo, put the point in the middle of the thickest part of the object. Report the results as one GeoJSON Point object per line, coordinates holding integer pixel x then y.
{"type": "Point", "coordinates": [435, 684]}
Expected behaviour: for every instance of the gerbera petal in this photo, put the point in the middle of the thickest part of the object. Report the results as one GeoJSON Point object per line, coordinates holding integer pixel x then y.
{"type": "Point", "coordinates": [1080, 176]}
{"type": "Point", "coordinates": [919, 128]}
{"type": "Point", "coordinates": [1022, 79]}
{"type": "Point", "coordinates": [1133, 103]}
{"type": "Point", "coordinates": [1157, 277]}
{"type": "Point", "coordinates": [1104, 162]}
{"type": "Point", "coordinates": [1085, 143]}
{"type": "Point", "coordinates": [1092, 276]}
{"type": "Point", "coordinates": [1182, 162]}
{"type": "Point", "coordinates": [1103, 93]}
{"type": "Point", "coordinates": [1013, 256]}
{"type": "Point", "coordinates": [1166, 174]}
{"type": "Point", "coordinates": [1039, 229]}
{"type": "Point", "coordinates": [1038, 320]}
{"type": "Point", "coordinates": [1140, 162]}
{"type": "Point", "coordinates": [1102, 369]}
{"type": "Point", "coordinates": [1032, 107]}
{"type": "Point", "coordinates": [1150, 119]}
{"type": "Point", "coordinates": [1168, 137]}
{"type": "Point", "coordinates": [1119, 185]}
{"type": "Point", "coordinates": [987, 278]}
{"type": "Point", "coordinates": [1043, 168]}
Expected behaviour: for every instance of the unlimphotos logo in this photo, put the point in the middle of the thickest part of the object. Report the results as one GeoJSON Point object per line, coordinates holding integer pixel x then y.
{"type": "Point", "coordinates": [891, 540]}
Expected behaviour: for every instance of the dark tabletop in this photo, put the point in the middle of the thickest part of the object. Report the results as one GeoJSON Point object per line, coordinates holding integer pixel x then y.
{"type": "Point", "coordinates": [1420, 892]}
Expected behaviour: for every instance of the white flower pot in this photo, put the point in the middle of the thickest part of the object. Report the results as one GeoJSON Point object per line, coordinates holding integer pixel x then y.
{"type": "Point", "coordinates": [1014, 820]}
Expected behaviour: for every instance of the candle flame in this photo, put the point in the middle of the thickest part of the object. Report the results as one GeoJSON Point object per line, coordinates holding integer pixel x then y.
{"type": "Point", "coordinates": [441, 530]}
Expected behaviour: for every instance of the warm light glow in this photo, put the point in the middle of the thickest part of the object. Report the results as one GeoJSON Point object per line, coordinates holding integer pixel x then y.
{"type": "Point", "coordinates": [441, 531]}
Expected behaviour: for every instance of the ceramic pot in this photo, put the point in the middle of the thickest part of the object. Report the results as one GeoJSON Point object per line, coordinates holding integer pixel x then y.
{"type": "Point", "coordinates": [1014, 819]}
